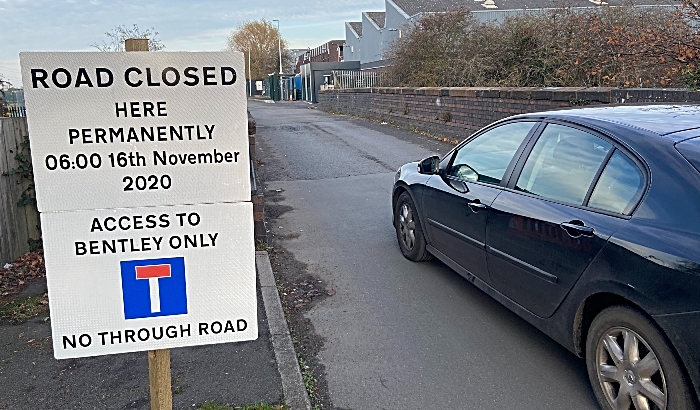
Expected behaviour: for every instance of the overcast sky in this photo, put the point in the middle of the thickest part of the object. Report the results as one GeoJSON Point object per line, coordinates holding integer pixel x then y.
{"type": "Point", "coordinates": [72, 25]}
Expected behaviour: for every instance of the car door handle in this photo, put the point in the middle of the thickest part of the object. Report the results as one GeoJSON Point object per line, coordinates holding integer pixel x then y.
{"type": "Point", "coordinates": [476, 206]}
{"type": "Point", "coordinates": [576, 229]}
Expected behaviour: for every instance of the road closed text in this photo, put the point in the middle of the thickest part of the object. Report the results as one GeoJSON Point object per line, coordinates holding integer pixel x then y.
{"type": "Point", "coordinates": [103, 77]}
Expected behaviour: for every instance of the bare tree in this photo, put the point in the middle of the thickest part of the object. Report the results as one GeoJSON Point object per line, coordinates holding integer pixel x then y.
{"type": "Point", "coordinates": [259, 39]}
{"type": "Point", "coordinates": [117, 36]}
{"type": "Point", "coordinates": [4, 83]}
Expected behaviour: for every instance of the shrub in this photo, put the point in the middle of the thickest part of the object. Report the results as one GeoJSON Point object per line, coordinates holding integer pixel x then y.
{"type": "Point", "coordinates": [600, 46]}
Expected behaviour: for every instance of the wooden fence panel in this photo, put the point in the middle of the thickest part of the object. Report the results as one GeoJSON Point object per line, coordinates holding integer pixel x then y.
{"type": "Point", "coordinates": [17, 224]}
{"type": "Point", "coordinates": [30, 213]}
{"type": "Point", "coordinates": [6, 236]}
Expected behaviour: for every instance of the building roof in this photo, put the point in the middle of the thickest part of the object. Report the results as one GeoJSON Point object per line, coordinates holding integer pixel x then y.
{"type": "Point", "coordinates": [378, 17]}
{"type": "Point", "coordinates": [356, 26]}
{"type": "Point", "coordinates": [296, 52]}
{"type": "Point", "coordinates": [413, 7]}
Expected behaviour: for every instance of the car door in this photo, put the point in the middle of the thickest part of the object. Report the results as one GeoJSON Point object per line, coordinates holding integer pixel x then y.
{"type": "Point", "coordinates": [456, 200]}
{"type": "Point", "coordinates": [567, 197]}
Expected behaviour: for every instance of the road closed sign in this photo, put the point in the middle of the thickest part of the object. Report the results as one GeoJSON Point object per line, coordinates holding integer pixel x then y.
{"type": "Point", "coordinates": [136, 129]}
{"type": "Point", "coordinates": [142, 176]}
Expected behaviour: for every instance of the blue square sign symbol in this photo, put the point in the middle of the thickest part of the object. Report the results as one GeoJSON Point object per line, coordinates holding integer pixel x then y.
{"type": "Point", "coordinates": [154, 287]}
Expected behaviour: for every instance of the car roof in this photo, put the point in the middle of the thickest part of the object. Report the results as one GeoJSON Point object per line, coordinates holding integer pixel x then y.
{"type": "Point", "coordinates": [663, 120]}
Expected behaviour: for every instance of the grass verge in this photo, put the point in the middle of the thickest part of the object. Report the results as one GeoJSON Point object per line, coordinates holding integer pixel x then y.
{"type": "Point", "coordinates": [19, 310]}
{"type": "Point", "coordinates": [210, 405]}
{"type": "Point", "coordinates": [309, 380]}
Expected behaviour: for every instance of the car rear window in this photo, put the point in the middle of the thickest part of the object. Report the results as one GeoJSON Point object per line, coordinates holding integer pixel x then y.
{"type": "Point", "coordinates": [620, 186]}
{"type": "Point", "coordinates": [690, 149]}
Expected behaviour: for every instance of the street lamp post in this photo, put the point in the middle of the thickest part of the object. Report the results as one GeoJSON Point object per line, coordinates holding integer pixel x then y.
{"type": "Point", "coordinates": [250, 77]}
{"type": "Point", "coordinates": [307, 86]}
{"type": "Point", "coordinates": [279, 43]}
{"type": "Point", "coordinates": [279, 48]}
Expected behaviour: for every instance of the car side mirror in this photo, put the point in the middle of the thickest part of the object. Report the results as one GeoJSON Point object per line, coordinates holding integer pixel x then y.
{"type": "Point", "coordinates": [429, 165]}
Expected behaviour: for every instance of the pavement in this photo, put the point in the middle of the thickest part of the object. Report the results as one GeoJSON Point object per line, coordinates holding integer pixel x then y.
{"type": "Point", "coordinates": [234, 374]}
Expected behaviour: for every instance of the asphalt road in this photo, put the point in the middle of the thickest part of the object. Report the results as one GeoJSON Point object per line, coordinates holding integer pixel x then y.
{"type": "Point", "coordinates": [236, 374]}
{"type": "Point", "coordinates": [397, 334]}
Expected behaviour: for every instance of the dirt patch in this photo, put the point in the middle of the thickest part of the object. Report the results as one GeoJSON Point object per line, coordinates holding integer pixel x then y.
{"type": "Point", "coordinates": [288, 236]}
{"type": "Point", "coordinates": [299, 292]}
{"type": "Point", "coordinates": [23, 289]}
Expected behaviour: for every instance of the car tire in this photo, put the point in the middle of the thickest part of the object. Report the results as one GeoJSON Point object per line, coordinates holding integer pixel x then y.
{"type": "Point", "coordinates": [409, 231]}
{"type": "Point", "coordinates": [629, 360]}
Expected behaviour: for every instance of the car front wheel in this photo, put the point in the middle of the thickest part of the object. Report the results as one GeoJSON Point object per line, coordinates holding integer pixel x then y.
{"type": "Point", "coordinates": [631, 366]}
{"type": "Point", "coordinates": [408, 230]}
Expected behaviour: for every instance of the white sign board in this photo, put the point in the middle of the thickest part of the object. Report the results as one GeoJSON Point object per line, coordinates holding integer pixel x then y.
{"type": "Point", "coordinates": [143, 180]}
{"type": "Point", "coordinates": [125, 280]}
{"type": "Point", "coordinates": [136, 129]}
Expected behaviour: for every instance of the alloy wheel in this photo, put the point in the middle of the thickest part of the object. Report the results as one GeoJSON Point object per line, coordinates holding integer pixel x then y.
{"type": "Point", "coordinates": [629, 372]}
{"type": "Point", "coordinates": [407, 227]}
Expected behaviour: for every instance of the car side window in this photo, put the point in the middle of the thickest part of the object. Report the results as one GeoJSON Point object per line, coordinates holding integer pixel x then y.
{"type": "Point", "coordinates": [620, 186]}
{"type": "Point", "coordinates": [486, 158]}
{"type": "Point", "coordinates": [563, 164]}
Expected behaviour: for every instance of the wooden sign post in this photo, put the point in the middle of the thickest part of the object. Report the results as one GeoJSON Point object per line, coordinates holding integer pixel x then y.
{"type": "Point", "coordinates": [136, 44]}
{"type": "Point", "coordinates": [158, 360]}
{"type": "Point", "coordinates": [159, 377]}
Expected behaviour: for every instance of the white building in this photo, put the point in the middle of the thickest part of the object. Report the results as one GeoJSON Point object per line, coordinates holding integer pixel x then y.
{"type": "Point", "coordinates": [369, 40]}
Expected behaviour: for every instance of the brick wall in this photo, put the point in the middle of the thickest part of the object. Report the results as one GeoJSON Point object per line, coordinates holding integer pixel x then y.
{"type": "Point", "coordinates": [457, 112]}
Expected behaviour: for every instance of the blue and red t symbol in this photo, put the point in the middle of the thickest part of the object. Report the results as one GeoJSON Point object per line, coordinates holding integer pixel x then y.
{"type": "Point", "coordinates": [154, 287]}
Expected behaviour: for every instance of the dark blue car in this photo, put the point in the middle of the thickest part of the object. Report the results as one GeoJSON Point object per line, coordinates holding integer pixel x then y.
{"type": "Point", "coordinates": [586, 223]}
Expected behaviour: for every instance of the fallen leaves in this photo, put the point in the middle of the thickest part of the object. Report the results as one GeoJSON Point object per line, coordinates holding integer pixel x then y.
{"type": "Point", "coordinates": [16, 275]}
{"type": "Point", "coordinates": [296, 296]}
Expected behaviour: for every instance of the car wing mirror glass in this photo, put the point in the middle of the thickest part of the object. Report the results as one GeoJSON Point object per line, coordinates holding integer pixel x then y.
{"type": "Point", "coordinates": [429, 165]}
{"type": "Point", "coordinates": [465, 172]}
{"type": "Point", "coordinates": [458, 185]}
